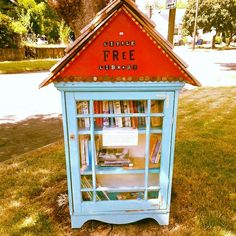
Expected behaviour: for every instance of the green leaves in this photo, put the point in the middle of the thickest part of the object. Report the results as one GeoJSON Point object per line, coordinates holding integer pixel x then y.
{"type": "Point", "coordinates": [218, 14]}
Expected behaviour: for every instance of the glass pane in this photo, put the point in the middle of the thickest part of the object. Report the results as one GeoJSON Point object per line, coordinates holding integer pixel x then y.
{"type": "Point", "coordinates": [154, 160]}
{"type": "Point", "coordinates": [155, 150]}
{"type": "Point", "coordinates": [106, 196]}
{"type": "Point", "coordinates": [119, 186]}
{"type": "Point", "coordinates": [153, 180]}
{"type": "Point", "coordinates": [86, 183]}
{"type": "Point", "coordinates": [83, 109]}
{"type": "Point", "coordinates": [85, 150]}
{"type": "Point", "coordinates": [120, 107]}
{"type": "Point", "coordinates": [156, 107]}
{"type": "Point", "coordinates": [84, 124]}
{"type": "Point", "coordinates": [130, 157]}
{"type": "Point", "coordinates": [153, 194]}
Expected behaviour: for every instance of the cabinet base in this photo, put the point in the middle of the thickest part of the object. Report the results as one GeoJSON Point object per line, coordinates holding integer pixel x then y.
{"type": "Point", "coordinates": [77, 221]}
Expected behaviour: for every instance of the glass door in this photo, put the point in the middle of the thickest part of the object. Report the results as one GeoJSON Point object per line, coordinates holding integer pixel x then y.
{"type": "Point", "coordinates": [123, 149]}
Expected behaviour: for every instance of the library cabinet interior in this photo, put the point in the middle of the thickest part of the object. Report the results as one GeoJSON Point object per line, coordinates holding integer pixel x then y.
{"type": "Point", "coordinates": [119, 84]}
{"type": "Point", "coordinates": [130, 178]}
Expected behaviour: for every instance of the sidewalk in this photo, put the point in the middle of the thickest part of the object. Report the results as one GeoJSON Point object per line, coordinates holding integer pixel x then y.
{"type": "Point", "coordinates": [212, 68]}
{"type": "Point", "coordinates": [20, 96]}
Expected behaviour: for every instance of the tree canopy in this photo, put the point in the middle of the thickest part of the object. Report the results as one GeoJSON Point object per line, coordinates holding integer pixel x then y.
{"type": "Point", "coordinates": [212, 14]}
{"type": "Point", "coordinates": [29, 19]}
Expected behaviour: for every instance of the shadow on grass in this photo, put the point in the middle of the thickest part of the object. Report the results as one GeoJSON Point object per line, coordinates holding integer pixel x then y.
{"type": "Point", "coordinates": [29, 134]}
{"type": "Point", "coordinates": [227, 66]}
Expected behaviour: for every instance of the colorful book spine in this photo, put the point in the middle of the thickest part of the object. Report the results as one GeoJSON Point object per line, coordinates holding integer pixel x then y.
{"type": "Point", "coordinates": [80, 111]}
{"type": "Point", "coordinates": [100, 112]}
{"type": "Point", "coordinates": [85, 110]}
{"type": "Point", "coordinates": [82, 152]}
{"type": "Point", "coordinates": [96, 111]}
{"type": "Point", "coordinates": [155, 121]}
{"type": "Point", "coordinates": [155, 155]}
{"type": "Point", "coordinates": [132, 111]}
{"type": "Point", "coordinates": [117, 110]}
{"type": "Point", "coordinates": [126, 109]}
{"type": "Point", "coordinates": [111, 111]}
{"type": "Point", "coordinates": [86, 150]}
{"type": "Point", "coordinates": [105, 111]}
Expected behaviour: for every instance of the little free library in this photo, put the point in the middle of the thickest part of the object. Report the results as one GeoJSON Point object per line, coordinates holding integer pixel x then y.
{"type": "Point", "coordinates": [119, 84]}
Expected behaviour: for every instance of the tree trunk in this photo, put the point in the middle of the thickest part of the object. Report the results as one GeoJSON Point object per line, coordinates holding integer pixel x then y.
{"type": "Point", "coordinates": [230, 39]}
{"type": "Point", "coordinates": [77, 13]}
{"type": "Point", "coordinates": [213, 45]}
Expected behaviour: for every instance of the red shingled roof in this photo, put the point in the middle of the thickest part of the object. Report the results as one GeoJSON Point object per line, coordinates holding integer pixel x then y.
{"type": "Point", "coordinates": [97, 27]}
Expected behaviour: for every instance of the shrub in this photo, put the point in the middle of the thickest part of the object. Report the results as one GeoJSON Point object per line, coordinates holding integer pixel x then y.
{"type": "Point", "coordinates": [8, 37]}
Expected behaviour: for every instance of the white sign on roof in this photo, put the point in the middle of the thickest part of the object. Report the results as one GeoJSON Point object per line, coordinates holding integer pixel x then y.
{"type": "Point", "coordinates": [170, 4]}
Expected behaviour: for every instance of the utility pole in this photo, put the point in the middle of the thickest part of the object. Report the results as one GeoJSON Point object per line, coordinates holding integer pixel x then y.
{"type": "Point", "coordinates": [171, 27]}
{"type": "Point", "coordinates": [195, 25]}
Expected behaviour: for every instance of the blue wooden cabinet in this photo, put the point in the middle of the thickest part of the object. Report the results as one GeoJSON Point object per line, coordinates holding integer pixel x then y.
{"type": "Point", "coordinates": [119, 83]}
{"type": "Point", "coordinates": [119, 194]}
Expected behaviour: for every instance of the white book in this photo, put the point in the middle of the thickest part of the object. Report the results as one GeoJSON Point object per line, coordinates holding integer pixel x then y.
{"type": "Point", "coordinates": [82, 152]}
{"type": "Point", "coordinates": [127, 111]}
{"type": "Point", "coordinates": [105, 108]}
{"type": "Point", "coordinates": [86, 150]}
{"type": "Point", "coordinates": [86, 111]}
{"type": "Point", "coordinates": [117, 110]}
{"type": "Point", "coordinates": [111, 111]}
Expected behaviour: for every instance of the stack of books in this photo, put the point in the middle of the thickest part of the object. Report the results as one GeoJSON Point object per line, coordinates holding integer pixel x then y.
{"type": "Point", "coordinates": [114, 157]}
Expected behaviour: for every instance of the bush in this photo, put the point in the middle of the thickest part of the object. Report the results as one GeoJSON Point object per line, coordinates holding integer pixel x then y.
{"type": "Point", "coordinates": [218, 40]}
{"type": "Point", "coordinates": [8, 38]}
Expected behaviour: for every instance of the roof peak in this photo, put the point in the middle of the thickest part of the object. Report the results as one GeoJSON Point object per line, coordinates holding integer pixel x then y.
{"type": "Point", "coordinates": [97, 26]}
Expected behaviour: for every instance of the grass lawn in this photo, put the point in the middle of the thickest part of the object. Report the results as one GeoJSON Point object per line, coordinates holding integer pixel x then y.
{"type": "Point", "coordinates": [204, 181]}
{"type": "Point", "coordinates": [9, 67]}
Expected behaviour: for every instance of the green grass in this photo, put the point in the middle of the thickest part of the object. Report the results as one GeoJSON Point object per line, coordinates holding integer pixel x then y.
{"type": "Point", "coordinates": [10, 67]}
{"type": "Point", "coordinates": [204, 182]}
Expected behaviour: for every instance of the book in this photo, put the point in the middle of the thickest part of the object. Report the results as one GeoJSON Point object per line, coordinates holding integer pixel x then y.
{"type": "Point", "coordinates": [130, 195]}
{"type": "Point", "coordinates": [135, 107]}
{"type": "Point", "coordinates": [117, 110]}
{"type": "Point", "coordinates": [80, 111]}
{"type": "Point", "coordinates": [100, 111]}
{"type": "Point", "coordinates": [116, 164]}
{"type": "Point", "coordinates": [111, 111]}
{"type": "Point", "coordinates": [155, 108]}
{"type": "Point", "coordinates": [86, 182]}
{"type": "Point", "coordinates": [86, 150]}
{"type": "Point", "coordinates": [114, 157]}
{"type": "Point", "coordinates": [96, 111]}
{"type": "Point", "coordinates": [155, 154]}
{"type": "Point", "coordinates": [82, 152]}
{"type": "Point", "coordinates": [126, 110]}
{"type": "Point", "coordinates": [113, 154]}
{"type": "Point", "coordinates": [133, 119]}
{"type": "Point", "coordinates": [105, 106]}
{"type": "Point", "coordinates": [142, 110]}
{"type": "Point", "coordinates": [85, 110]}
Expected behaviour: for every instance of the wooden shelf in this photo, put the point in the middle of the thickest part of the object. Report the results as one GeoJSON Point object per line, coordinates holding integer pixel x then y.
{"type": "Point", "coordinates": [141, 130]}
{"type": "Point", "coordinates": [138, 168]}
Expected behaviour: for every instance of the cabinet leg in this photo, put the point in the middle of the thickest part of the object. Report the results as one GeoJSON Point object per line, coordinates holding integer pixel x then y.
{"type": "Point", "coordinates": [78, 221]}
{"type": "Point", "coordinates": [162, 219]}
